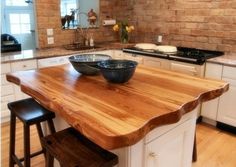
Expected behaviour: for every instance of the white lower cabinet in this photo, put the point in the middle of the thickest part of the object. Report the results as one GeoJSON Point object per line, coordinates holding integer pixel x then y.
{"type": "Point", "coordinates": [9, 91]}
{"type": "Point", "coordinates": [227, 104]}
{"type": "Point", "coordinates": [222, 109]}
{"type": "Point", "coordinates": [209, 109]}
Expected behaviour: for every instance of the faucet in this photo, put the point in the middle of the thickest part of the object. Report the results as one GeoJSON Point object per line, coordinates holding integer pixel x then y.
{"type": "Point", "coordinates": [81, 32]}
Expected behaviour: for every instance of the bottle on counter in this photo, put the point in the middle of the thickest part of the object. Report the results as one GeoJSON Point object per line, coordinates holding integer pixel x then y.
{"type": "Point", "coordinates": [91, 41]}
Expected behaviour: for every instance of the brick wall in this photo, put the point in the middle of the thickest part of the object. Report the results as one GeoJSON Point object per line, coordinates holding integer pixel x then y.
{"type": "Point", "coordinates": [206, 24]}
{"type": "Point", "coordinates": [48, 16]}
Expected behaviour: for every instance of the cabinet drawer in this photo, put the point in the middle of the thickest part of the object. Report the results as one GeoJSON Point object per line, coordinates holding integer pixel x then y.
{"type": "Point", "coordinates": [229, 72]}
{"type": "Point", "coordinates": [5, 100]}
{"type": "Point", "coordinates": [4, 80]}
{"type": "Point", "coordinates": [5, 68]}
{"type": "Point", "coordinates": [156, 62]}
{"type": "Point", "coordinates": [24, 65]}
{"type": "Point", "coordinates": [7, 90]}
{"type": "Point", "coordinates": [54, 61]}
{"type": "Point", "coordinates": [5, 116]}
{"type": "Point", "coordinates": [186, 68]}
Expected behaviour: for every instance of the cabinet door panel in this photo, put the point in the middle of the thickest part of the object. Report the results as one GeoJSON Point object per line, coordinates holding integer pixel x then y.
{"type": "Point", "coordinates": [7, 90]}
{"type": "Point", "coordinates": [5, 68]}
{"type": "Point", "coordinates": [229, 72]}
{"type": "Point", "coordinates": [172, 149]}
{"type": "Point", "coordinates": [209, 109]}
{"type": "Point", "coordinates": [227, 105]}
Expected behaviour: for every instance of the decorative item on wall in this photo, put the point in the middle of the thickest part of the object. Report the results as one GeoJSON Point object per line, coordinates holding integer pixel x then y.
{"type": "Point", "coordinates": [79, 13]}
{"type": "Point", "coordinates": [124, 30]}
{"type": "Point", "coordinates": [92, 18]}
{"type": "Point", "coordinates": [68, 21]}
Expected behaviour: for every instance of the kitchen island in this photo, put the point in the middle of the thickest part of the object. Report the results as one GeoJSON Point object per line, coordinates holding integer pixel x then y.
{"type": "Point", "coordinates": [148, 121]}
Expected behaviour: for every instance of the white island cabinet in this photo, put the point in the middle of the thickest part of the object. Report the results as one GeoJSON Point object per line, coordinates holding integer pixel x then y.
{"type": "Point", "coordinates": [166, 146]}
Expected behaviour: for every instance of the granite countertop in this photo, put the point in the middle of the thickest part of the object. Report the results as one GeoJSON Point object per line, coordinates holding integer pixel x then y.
{"type": "Point", "coordinates": [55, 52]}
{"type": "Point", "coordinates": [227, 59]}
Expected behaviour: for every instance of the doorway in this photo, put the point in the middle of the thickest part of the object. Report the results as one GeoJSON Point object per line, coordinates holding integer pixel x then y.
{"type": "Point", "coordinates": [18, 19]}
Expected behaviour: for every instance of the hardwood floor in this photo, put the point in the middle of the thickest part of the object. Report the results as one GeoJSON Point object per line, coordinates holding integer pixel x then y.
{"type": "Point", "coordinates": [37, 161]}
{"type": "Point", "coordinates": [215, 148]}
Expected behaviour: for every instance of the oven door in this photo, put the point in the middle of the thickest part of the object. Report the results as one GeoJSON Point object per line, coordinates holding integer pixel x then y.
{"type": "Point", "coordinates": [187, 68]}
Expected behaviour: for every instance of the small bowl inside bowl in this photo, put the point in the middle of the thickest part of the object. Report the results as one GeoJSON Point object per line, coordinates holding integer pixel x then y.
{"type": "Point", "coordinates": [117, 71]}
{"type": "Point", "coordinates": [87, 63]}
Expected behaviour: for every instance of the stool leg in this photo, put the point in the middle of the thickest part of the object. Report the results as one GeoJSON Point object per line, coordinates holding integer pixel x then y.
{"type": "Point", "coordinates": [51, 126]}
{"type": "Point", "coordinates": [12, 139]}
{"type": "Point", "coordinates": [49, 159]}
{"type": "Point", "coordinates": [40, 134]}
{"type": "Point", "coordinates": [26, 146]}
{"type": "Point", "coordinates": [194, 158]}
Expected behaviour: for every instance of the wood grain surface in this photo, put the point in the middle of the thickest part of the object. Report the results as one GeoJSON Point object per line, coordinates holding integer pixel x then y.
{"type": "Point", "coordinates": [117, 115]}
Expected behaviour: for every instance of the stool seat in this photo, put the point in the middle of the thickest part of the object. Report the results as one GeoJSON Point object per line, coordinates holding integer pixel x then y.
{"type": "Point", "coordinates": [29, 111]}
{"type": "Point", "coordinates": [72, 149]}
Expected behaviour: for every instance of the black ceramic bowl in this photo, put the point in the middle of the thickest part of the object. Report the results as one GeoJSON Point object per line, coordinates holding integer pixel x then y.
{"type": "Point", "coordinates": [117, 71]}
{"type": "Point", "coordinates": [87, 63]}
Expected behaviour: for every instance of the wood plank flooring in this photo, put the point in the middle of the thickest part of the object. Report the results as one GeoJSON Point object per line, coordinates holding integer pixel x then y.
{"type": "Point", "coordinates": [215, 148]}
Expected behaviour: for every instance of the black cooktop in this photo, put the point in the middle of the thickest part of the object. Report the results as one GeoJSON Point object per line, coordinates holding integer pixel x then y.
{"type": "Point", "coordinates": [184, 54]}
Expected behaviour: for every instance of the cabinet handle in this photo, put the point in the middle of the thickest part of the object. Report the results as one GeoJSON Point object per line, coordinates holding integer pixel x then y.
{"type": "Point", "coordinates": [152, 154]}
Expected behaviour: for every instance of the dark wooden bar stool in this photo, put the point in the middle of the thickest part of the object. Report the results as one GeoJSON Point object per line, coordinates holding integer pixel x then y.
{"type": "Point", "coordinates": [29, 112]}
{"type": "Point", "coordinates": [72, 149]}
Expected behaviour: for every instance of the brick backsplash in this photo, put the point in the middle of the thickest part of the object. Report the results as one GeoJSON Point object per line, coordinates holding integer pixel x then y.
{"type": "Point", "coordinates": [205, 24]}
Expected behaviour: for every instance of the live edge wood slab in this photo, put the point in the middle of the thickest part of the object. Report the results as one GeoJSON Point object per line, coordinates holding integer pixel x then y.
{"type": "Point", "coordinates": [117, 115]}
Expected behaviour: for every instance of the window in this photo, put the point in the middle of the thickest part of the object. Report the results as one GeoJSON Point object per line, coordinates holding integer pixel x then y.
{"type": "Point", "coordinates": [19, 23]}
{"type": "Point", "coordinates": [16, 3]}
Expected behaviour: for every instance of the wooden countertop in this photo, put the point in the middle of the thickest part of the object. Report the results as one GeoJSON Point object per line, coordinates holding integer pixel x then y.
{"type": "Point", "coordinates": [117, 115]}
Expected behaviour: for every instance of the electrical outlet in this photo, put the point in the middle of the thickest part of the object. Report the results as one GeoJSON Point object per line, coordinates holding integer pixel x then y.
{"type": "Point", "coordinates": [159, 38]}
{"type": "Point", "coordinates": [49, 32]}
{"type": "Point", "coordinates": [50, 40]}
